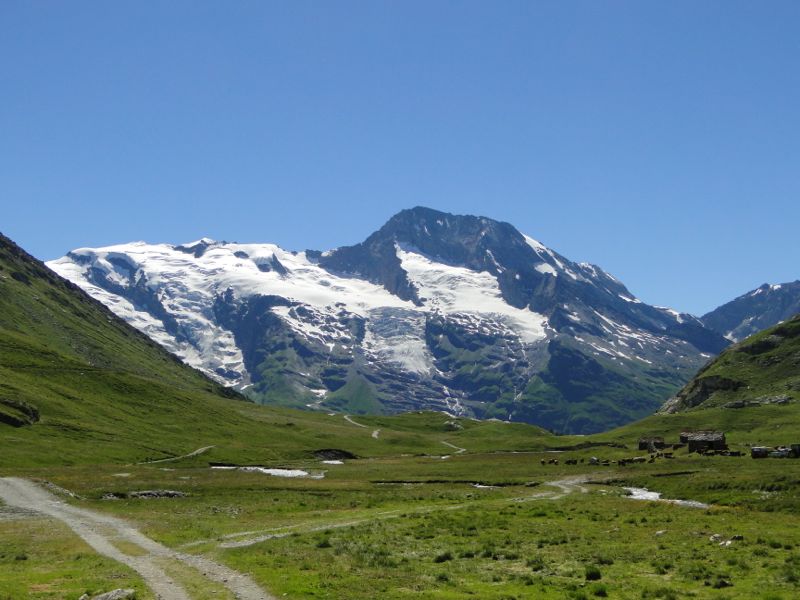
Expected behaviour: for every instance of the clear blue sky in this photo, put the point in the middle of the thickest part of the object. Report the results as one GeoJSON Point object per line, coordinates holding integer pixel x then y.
{"type": "Point", "coordinates": [660, 140]}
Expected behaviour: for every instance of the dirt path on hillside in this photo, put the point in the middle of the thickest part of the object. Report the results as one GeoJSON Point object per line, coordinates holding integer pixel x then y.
{"type": "Point", "coordinates": [458, 449]}
{"type": "Point", "coordinates": [375, 432]}
{"type": "Point", "coordinates": [566, 486]}
{"type": "Point", "coordinates": [349, 420]}
{"type": "Point", "coordinates": [174, 458]}
{"type": "Point", "coordinates": [99, 531]}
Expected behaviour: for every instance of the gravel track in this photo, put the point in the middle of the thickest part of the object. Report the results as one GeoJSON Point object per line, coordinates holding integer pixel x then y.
{"type": "Point", "coordinates": [458, 449]}
{"type": "Point", "coordinates": [350, 420]}
{"type": "Point", "coordinates": [174, 458]}
{"type": "Point", "coordinates": [98, 530]}
{"type": "Point", "coordinates": [564, 487]}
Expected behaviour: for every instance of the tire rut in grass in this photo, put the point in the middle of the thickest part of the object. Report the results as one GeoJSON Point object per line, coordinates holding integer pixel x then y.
{"type": "Point", "coordinates": [98, 530]}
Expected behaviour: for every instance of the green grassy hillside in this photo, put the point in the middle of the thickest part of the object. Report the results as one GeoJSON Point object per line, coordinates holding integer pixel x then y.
{"type": "Point", "coordinates": [751, 391]}
{"type": "Point", "coordinates": [763, 369]}
{"type": "Point", "coordinates": [78, 384]}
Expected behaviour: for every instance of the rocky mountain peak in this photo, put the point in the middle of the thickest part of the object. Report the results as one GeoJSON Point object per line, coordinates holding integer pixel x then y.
{"type": "Point", "coordinates": [758, 309]}
{"type": "Point", "coordinates": [449, 312]}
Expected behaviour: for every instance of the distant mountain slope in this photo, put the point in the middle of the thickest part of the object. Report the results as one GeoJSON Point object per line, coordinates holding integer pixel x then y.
{"type": "Point", "coordinates": [76, 378]}
{"type": "Point", "coordinates": [756, 310]}
{"type": "Point", "coordinates": [78, 385]}
{"type": "Point", "coordinates": [763, 369]}
{"type": "Point", "coordinates": [432, 311]}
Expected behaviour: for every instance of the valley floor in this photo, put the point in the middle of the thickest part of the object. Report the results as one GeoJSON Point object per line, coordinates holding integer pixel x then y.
{"type": "Point", "coordinates": [469, 525]}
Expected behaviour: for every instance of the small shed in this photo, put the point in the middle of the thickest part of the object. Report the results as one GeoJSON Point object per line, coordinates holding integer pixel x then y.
{"type": "Point", "coordinates": [701, 441]}
{"type": "Point", "coordinates": [759, 452]}
{"type": "Point", "coordinates": [651, 443]}
{"type": "Point", "coordinates": [796, 450]}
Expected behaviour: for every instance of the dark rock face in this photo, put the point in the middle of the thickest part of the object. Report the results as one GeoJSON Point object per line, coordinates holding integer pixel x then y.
{"type": "Point", "coordinates": [540, 339]}
{"type": "Point", "coordinates": [333, 454]}
{"type": "Point", "coordinates": [482, 244]}
{"type": "Point", "coordinates": [759, 309]}
{"type": "Point", "coordinates": [703, 388]}
{"type": "Point", "coordinates": [17, 413]}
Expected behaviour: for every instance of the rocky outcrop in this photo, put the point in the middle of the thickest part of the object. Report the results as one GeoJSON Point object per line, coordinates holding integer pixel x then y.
{"type": "Point", "coordinates": [118, 594]}
{"type": "Point", "coordinates": [17, 413]}
{"type": "Point", "coordinates": [699, 391]}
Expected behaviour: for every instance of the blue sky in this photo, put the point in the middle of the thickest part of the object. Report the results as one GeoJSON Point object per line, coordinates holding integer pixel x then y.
{"type": "Point", "coordinates": [660, 140]}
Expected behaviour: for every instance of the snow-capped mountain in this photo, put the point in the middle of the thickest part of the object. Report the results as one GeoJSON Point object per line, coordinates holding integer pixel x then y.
{"type": "Point", "coordinates": [432, 311]}
{"type": "Point", "coordinates": [758, 309]}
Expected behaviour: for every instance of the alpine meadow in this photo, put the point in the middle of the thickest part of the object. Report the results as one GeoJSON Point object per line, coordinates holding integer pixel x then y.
{"type": "Point", "coordinates": [388, 301]}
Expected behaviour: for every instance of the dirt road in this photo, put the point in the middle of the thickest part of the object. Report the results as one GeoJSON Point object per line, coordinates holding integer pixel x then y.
{"type": "Point", "coordinates": [350, 420]}
{"type": "Point", "coordinates": [563, 487]}
{"type": "Point", "coordinates": [174, 458]}
{"type": "Point", "coordinates": [458, 449]}
{"type": "Point", "coordinates": [100, 531]}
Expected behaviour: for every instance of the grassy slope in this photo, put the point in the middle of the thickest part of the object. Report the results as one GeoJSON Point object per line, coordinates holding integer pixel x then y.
{"type": "Point", "coordinates": [103, 391]}
{"type": "Point", "coordinates": [766, 364]}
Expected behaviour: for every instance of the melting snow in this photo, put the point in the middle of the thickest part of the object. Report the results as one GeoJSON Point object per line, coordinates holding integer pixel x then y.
{"type": "Point", "coordinates": [629, 299]}
{"type": "Point", "coordinates": [678, 316]}
{"type": "Point", "coordinates": [538, 247]}
{"type": "Point", "coordinates": [546, 269]}
{"type": "Point", "coordinates": [282, 472]}
{"type": "Point", "coordinates": [188, 286]}
{"type": "Point", "coordinates": [397, 336]}
{"type": "Point", "coordinates": [449, 290]}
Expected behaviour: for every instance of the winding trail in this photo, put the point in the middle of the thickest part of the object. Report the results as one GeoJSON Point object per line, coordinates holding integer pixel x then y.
{"type": "Point", "coordinates": [174, 458]}
{"type": "Point", "coordinates": [350, 420]}
{"type": "Point", "coordinates": [564, 486]}
{"type": "Point", "coordinates": [458, 449]}
{"type": "Point", "coordinates": [99, 531]}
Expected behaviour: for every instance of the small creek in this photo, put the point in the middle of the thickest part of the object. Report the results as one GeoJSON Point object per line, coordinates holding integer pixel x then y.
{"type": "Point", "coordinates": [273, 472]}
{"type": "Point", "coordinates": [645, 494]}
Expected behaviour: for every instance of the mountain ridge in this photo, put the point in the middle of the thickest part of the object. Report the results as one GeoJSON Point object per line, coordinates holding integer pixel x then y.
{"type": "Point", "coordinates": [431, 311]}
{"type": "Point", "coordinates": [755, 310]}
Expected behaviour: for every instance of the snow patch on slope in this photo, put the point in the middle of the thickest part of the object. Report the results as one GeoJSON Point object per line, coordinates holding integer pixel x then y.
{"type": "Point", "coordinates": [546, 269]}
{"type": "Point", "coordinates": [187, 287]}
{"type": "Point", "coordinates": [212, 349]}
{"type": "Point", "coordinates": [397, 336]}
{"type": "Point", "coordinates": [448, 289]}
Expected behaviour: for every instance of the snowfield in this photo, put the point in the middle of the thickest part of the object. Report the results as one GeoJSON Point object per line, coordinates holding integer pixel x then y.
{"type": "Point", "coordinates": [187, 286]}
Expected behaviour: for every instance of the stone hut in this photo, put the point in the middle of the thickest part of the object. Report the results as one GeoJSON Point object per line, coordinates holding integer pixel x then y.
{"type": "Point", "coordinates": [651, 444]}
{"type": "Point", "coordinates": [700, 441]}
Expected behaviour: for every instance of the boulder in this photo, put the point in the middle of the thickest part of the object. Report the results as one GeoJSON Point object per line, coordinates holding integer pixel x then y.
{"type": "Point", "coordinates": [118, 594]}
